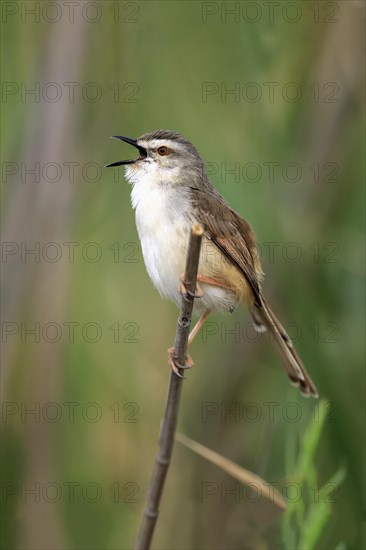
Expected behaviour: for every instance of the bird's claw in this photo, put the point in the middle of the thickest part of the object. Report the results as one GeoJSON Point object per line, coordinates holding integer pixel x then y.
{"type": "Point", "coordinates": [175, 366]}
{"type": "Point", "coordinates": [185, 292]}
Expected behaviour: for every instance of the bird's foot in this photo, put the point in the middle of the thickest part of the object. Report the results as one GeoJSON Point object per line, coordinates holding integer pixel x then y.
{"type": "Point", "coordinates": [175, 366]}
{"type": "Point", "coordinates": [185, 292]}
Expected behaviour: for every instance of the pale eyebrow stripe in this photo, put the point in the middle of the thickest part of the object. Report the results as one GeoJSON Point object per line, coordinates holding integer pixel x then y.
{"type": "Point", "coordinates": [155, 143]}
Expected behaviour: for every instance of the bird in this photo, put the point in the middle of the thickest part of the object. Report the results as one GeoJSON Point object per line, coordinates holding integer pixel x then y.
{"type": "Point", "coordinates": [171, 191]}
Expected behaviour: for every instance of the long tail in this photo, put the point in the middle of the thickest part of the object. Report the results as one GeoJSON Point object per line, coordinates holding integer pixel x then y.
{"type": "Point", "coordinates": [264, 318]}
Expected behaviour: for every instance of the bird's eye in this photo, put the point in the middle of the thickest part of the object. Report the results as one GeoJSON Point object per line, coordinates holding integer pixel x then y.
{"type": "Point", "coordinates": [163, 151]}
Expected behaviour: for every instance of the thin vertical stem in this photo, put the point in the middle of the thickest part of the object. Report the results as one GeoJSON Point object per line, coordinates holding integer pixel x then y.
{"type": "Point", "coordinates": [170, 418]}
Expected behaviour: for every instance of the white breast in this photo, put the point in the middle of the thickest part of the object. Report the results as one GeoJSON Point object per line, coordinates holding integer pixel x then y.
{"type": "Point", "coordinates": [163, 233]}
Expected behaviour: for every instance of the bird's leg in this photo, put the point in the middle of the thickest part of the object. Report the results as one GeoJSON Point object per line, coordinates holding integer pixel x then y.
{"type": "Point", "coordinates": [174, 365]}
{"type": "Point", "coordinates": [205, 314]}
{"type": "Point", "coordinates": [198, 326]}
{"type": "Point", "coordinates": [198, 294]}
{"type": "Point", "coordinates": [189, 361]}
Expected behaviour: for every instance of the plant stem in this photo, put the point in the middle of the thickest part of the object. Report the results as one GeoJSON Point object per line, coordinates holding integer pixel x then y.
{"type": "Point", "coordinates": [170, 419]}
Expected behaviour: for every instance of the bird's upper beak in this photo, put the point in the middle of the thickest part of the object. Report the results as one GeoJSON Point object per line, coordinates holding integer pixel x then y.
{"type": "Point", "coordinates": [142, 150]}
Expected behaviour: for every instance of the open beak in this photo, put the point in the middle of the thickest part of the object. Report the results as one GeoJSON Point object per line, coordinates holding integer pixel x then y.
{"type": "Point", "coordinates": [142, 150]}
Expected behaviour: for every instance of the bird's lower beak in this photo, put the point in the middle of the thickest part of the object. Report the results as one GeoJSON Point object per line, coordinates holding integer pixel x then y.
{"type": "Point", "coordinates": [142, 150]}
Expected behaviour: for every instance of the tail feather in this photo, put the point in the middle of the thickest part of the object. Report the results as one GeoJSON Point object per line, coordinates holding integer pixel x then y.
{"type": "Point", "coordinates": [264, 317]}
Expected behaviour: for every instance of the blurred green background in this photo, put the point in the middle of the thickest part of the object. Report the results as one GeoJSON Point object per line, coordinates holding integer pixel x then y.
{"type": "Point", "coordinates": [271, 94]}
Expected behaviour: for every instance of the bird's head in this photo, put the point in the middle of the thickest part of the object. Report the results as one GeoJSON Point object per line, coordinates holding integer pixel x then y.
{"type": "Point", "coordinates": [166, 157]}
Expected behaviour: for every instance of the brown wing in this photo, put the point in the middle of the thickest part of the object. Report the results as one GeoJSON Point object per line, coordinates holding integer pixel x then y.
{"type": "Point", "coordinates": [232, 235]}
